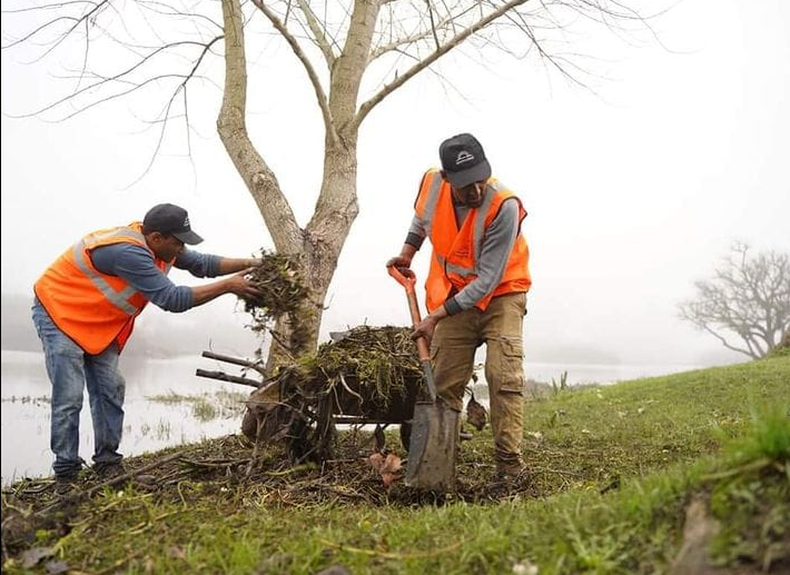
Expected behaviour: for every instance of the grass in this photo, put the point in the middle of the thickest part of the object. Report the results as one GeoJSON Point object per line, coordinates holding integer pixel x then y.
{"type": "Point", "coordinates": [40, 400]}
{"type": "Point", "coordinates": [614, 471]}
{"type": "Point", "coordinates": [205, 407]}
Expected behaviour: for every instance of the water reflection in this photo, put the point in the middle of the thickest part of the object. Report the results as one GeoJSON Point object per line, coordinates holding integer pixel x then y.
{"type": "Point", "coordinates": [165, 405]}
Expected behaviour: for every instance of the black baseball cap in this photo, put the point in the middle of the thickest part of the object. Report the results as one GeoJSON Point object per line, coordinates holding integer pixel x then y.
{"type": "Point", "coordinates": [464, 161]}
{"type": "Point", "coordinates": [170, 220]}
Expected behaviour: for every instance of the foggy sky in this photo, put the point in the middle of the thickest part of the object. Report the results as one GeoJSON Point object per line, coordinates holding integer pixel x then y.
{"type": "Point", "coordinates": [633, 191]}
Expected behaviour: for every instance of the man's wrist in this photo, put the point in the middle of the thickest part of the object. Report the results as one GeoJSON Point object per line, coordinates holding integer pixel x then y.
{"type": "Point", "coordinates": [451, 306]}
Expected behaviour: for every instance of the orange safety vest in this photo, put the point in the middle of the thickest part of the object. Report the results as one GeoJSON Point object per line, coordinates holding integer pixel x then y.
{"type": "Point", "coordinates": [456, 252]}
{"type": "Point", "coordinates": [93, 308]}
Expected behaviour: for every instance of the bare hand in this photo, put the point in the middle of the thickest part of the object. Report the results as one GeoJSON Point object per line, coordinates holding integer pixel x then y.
{"type": "Point", "coordinates": [425, 328]}
{"type": "Point", "coordinates": [243, 286]}
{"type": "Point", "coordinates": [402, 263]}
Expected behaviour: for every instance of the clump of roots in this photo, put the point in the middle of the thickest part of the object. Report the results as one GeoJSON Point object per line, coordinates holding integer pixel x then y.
{"type": "Point", "coordinates": [364, 375]}
{"type": "Point", "coordinates": [283, 294]}
{"type": "Point", "coordinates": [365, 371]}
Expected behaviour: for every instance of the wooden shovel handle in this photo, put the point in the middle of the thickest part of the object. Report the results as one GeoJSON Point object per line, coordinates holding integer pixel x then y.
{"type": "Point", "coordinates": [408, 281]}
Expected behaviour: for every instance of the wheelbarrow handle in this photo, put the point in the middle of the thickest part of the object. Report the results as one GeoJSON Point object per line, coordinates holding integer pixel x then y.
{"type": "Point", "coordinates": [407, 279]}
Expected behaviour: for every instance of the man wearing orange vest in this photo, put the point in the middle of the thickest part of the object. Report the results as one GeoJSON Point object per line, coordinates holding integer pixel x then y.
{"type": "Point", "coordinates": [85, 306]}
{"type": "Point", "coordinates": [476, 287]}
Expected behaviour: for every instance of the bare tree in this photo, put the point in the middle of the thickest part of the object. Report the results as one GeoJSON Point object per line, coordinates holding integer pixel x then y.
{"type": "Point", "coordinates": [159, 50]}
{"type": "Point", "coordinates": [748, 299]}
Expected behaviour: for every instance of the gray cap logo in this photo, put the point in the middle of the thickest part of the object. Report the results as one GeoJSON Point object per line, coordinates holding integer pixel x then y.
{"type": "Point", "coordinates": [463, 157]}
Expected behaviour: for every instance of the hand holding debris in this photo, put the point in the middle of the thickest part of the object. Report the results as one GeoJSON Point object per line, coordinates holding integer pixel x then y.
{"type": "Point", "coordinates": [279, 289]}
{"type": "Point", "coordinates": [279, 283]}
{"type": "Point", "coordinates": [242, 285]}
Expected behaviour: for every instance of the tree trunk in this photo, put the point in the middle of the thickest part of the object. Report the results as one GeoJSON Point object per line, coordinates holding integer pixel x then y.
{"type": "Point", "coordinates": [317, 247]}
{"type": "Point", "coordinates": [321, 244]}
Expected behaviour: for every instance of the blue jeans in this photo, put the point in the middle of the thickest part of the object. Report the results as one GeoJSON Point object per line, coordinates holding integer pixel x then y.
{"type": "Point", "coordinates": [69, 369]}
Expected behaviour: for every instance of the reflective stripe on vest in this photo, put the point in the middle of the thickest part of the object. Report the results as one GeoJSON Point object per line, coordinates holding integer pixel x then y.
{"type": "Point", "coordinates": [480, 226]}
{"type": "Point", "coordinates": [430, 206]}
{"type": "Point", "coordinates": [92, 308]}
{"type": "Point", "coordinates": [118, 299]}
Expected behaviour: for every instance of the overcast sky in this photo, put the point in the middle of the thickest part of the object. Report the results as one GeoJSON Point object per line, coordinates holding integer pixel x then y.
{"type": "Point", "coordinates": [633, 192]}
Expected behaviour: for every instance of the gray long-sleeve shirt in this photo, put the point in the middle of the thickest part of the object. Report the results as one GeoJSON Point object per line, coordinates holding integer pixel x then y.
{"type": "Point", "coordinates": [500, 237]}
{"type": "Point", "coordinates": [136, 265]}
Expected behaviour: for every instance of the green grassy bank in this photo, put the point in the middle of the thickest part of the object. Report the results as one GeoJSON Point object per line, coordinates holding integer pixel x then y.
{"type": "Point", "coordinates": [686, 473]}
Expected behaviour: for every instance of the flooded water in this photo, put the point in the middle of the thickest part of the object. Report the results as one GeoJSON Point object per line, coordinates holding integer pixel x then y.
{"type": "Point", "coordinates": [584, 373]}
{"type": "Point", "coordinates": [166, 404]}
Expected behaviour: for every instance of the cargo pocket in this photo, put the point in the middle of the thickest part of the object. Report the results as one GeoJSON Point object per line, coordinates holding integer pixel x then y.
{"type": "Point", "coordinates": [511, 366]}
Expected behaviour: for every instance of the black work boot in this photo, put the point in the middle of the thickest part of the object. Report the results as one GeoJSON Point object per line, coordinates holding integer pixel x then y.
{"type": "Point", "coordinates": [508, 482]}
{"type": "Point", "coordinates": [66, 484]}
{"type": "Point", "coordinates": [110, 470]}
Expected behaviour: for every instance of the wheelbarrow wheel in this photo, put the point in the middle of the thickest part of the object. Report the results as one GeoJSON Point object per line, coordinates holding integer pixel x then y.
{"type": "Point", "coordinates": [405, 435]}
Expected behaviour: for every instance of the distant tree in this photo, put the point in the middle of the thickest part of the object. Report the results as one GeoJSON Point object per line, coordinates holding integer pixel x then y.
{"type": "Point", "coordinates": [748, 298]}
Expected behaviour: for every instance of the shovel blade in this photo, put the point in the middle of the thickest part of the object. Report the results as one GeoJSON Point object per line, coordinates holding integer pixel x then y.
{"type": "Point", "coordinates": [432, 447]}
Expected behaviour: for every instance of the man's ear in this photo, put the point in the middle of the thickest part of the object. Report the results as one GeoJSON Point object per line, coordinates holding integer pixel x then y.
{"type": "Point", "coordinates": [154, 238]}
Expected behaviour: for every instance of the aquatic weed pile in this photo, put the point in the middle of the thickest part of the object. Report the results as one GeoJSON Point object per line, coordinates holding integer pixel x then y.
{"type": "Point", "coordinates": [364, 375]}
{"type": "Point", "coordinates": [366, 371]}
{"type": "Point", "coordinates": [282, 292]}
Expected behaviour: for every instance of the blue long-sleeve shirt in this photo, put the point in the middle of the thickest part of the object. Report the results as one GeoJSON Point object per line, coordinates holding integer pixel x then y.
{"type": "Point", "coordinates": [135, 264]}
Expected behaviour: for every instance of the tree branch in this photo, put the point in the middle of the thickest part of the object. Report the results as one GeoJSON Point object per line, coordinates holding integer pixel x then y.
{"type": "Point", "coordinates": [318, 33]}
{"type": "Point", "coordinates": [232, 129]}
{"type": "Point", "coordinates": [433, 25]}
{"type": "Point", "coordinates": [407, 40]}
{"type": "Point", "coordinates": [727, 345]}
{"type": "Point", "coordinates": [77, 21]}
{"type": "Point", "coordinates": [182, 87]}
{"type": "Point", "coordinates": [165, 10]}
{"type": "Point", "coordinates": [323, 103]}
{"type": "Point", "coordinates": [119, 77]}
{"type": "Point", "coordinates": [366, 107]}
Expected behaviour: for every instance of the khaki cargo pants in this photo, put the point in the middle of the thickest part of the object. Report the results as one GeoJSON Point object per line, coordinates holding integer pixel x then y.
{"type": "Point", "coordinates": [453, 347]}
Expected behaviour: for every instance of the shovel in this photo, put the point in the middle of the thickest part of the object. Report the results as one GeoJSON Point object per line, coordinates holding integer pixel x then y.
{"type": "Point", "coordinates": [434, 425]}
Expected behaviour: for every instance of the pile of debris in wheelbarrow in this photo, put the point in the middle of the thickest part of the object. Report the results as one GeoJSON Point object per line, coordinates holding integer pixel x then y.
{"type": "Point", "coordinates": [365, 376]}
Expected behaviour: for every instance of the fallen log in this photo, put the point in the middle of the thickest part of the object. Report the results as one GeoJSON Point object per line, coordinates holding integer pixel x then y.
{"type": "Point", "coordinates": [222, 376]}
{"type": "Point", "coordinates": [235, 361]}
